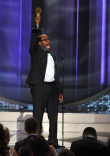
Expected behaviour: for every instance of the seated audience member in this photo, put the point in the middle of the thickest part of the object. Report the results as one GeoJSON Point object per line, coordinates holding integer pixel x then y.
{"type": "Point", "coordinates": [7, 137]}
{"type": "Point", "coordinates": [31, 127]}
{"type": "Point", "coordinates": [66, 152]}
{"type": "Point", "coordinates": [4, 149]}
{"type": "Point", "coordinates": [25, 151]}
{"type": "Point", "coordinates": [89, 145]}
{"type": "Point", "coordinates": [40, 147]}
{"type": "Point", "coordinates": [108, 145]}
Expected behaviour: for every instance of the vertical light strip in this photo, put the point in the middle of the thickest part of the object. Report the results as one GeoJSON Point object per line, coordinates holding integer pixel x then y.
{"type": "Point", "coordinates": [30, 28]}
{"type": "Point", "coordinates": [72, 28]}
{"type": "Point", "coordinates": [109, 46]}
{"type": "Point", "coordinates": [77, 47]}
{"type": "Point", "coordinates": [20, 31]}
{"type": "Point", "coordinates": [71, 6]}
{"type": "Point", "coordinates": [103, 42]}
{"type": "Point", "coordinates": [89, 49]}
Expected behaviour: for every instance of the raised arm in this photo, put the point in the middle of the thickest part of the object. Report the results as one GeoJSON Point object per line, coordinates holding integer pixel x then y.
{"type": "Point", "coordinates": [34, 41]}
{"type": "Point", "coordinates": [34, 38]}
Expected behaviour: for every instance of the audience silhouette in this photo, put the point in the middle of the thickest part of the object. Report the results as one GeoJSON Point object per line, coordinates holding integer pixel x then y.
{"type": "Point", "coordinates": [66, 152]}
{"type": "Point", "coordinates": [31, 127]}
{"type": "Point", "coordinates": [25, 151]}
{"type": "Point", "coordinates": [89, 145]}
{"type": "Point", "coordinates": [40, 146]}
{"type": "Point", "coordinates": [4, 140]}
{"type": "Point", "coordinates": [36, 144]}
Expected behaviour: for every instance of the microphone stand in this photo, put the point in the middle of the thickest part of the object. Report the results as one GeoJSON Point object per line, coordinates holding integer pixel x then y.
{"type": "Point", "coordinates": [62, 58]}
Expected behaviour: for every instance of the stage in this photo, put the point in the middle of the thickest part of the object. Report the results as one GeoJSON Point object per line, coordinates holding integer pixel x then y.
{"type": "Point", "coordinates": [74, 124]}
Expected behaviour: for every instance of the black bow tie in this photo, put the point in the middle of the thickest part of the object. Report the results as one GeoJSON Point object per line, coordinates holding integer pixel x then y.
{"type": "Point", "coordinates": [47, 51]}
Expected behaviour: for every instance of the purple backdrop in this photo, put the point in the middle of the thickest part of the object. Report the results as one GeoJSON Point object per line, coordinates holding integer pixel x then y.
{"type": "Point", "coordinates": [80, 32]}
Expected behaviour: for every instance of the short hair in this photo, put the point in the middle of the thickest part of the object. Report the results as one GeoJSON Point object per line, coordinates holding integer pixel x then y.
{"type": "Point", "coordinates": [25, 151]}
{"type": "Point", "coordinates": [39, 37]}
{"type": "Point", "coordinates": [66, 152]}
{"type": "Point", "coordinates": [90, 131]}
{"type": "Point", "coordinates": [6, 132]}
{"type": "Point", "coordinates": [31, 125]}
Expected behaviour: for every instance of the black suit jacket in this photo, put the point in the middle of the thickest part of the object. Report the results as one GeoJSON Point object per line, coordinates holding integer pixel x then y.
{"type": "Point", "coordinates": [21, 143]}
{"type": "Point", "coordinates": [38, 63]}
{"type": "Point", "coordinates": [24, 142]}
{"type": "Point", "coordinates": [88, 147]}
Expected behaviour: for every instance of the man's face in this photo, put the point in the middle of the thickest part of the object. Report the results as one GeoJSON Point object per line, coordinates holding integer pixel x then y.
{"type": "Point", "coordinates": [45, 43]}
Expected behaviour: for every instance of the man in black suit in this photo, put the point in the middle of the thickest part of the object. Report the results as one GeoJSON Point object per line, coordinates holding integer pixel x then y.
{"type": "Point", "coordinates": [44, 81]}
{"type": "Point", "coordinates": [31, 127]}
{"type": "Point", "coordinates": [89, 145]}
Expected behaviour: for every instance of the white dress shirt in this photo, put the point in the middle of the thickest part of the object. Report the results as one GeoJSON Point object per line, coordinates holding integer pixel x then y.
{"type": "Point", "coordinates": [50, 69]}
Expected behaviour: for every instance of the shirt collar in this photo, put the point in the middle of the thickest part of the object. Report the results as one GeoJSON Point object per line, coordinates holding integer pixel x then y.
{"type": "Point", "coordinates": [32, 134]}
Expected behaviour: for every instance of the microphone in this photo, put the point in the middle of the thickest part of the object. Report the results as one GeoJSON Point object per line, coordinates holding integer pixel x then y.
{"type": "Point", "coordinates": [62, 57]}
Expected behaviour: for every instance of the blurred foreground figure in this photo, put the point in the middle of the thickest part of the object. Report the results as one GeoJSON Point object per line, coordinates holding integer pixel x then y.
{"type": "Point", "coordinates": [66, 152]}
{"type": "Point", "coordinates": [25, 151]}
{"type": "Point", "coordinates": [40, 147]}
{"type": "Point", "coordinates": [4, 140]}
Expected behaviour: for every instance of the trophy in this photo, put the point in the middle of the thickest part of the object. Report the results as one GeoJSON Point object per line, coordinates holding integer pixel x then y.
{"type": "Point", "coordinates": [37, 18]}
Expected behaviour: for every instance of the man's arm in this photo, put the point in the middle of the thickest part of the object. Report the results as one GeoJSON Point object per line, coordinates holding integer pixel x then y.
{"type": "Point", "coordinates": [34, 41]}
{"type": "Point", "coordinates": [60, 88]}
{"type": "Point", "coordinates": [34, 37]}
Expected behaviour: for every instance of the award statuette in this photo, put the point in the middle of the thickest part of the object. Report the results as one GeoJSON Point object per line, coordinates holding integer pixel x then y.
{"type": "Point", "coordinates": [37, 18]}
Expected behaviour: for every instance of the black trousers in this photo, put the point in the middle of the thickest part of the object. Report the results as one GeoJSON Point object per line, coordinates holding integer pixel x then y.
{"type": "Point", "coordinates": [46, 96]}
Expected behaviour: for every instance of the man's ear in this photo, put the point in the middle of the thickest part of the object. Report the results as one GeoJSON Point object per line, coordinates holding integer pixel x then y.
{"type": "Point", "coordinates": [40, 43]}
{"type": "Point", "coordinates": [25, 130]}
{"type": "Point", "coordinates": [95, 137]}
{"type": "Point", "coordinates": [84, 135]}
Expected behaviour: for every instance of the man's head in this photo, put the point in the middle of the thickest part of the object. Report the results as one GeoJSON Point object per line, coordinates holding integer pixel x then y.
{"type": "Point", "coordinates": [89, 131]}
{"type": "Point", "coordinates": [44, 42]}
{"type": "Point", "coordinates": [25, 151]}
{"type": "Point", "coordinates": [31, 126]}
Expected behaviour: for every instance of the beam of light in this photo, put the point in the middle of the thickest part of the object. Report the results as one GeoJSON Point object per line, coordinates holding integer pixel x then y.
{"type": "Point", "coordinates": [20, 31]}
{"type": "Point", "coordinates": [72, 29]}
{"type": "Point", "coordinates": [109, 48]}
{"type": "Point", "coordinates": [103, 42]}
{"type": "Point", "coordinates": [89, 51]}
{"type": "Point", "coordinates": [77, 46]}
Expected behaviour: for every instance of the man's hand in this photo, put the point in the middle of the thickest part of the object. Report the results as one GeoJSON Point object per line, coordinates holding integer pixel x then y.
{"type": "Point", "coordinates": [61, 98]}
{"type": "Point", "coordinates": [37, 19]}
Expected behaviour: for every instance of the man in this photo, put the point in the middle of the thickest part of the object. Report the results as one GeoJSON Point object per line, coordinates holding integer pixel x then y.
{"type": "Point", "coordinates": [44, 81]}
{"type": "Point", "coordinates": [89, 145]}
{"type": "Point", "coordinates": [31, 127]}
